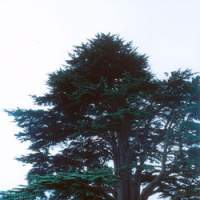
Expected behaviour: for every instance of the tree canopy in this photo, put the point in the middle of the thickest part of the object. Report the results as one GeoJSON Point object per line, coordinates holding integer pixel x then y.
{"type": "Point", "coordinates": [108, 129]}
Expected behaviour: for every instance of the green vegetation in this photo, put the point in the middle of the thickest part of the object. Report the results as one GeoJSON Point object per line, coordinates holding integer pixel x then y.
{"type": "Point", "coordinates": [109, 130]}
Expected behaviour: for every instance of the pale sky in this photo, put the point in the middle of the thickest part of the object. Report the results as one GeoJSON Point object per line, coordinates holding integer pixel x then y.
{"type": "Point", "coordinates": [37, 35]}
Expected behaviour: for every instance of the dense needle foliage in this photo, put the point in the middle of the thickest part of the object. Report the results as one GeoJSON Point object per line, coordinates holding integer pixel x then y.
{"type": "Point", "coordinates": [108, 129]}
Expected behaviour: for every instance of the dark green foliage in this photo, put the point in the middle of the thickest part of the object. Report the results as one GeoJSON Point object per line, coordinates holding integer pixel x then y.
{"type": "Point", "coordinates": [106, 107]}
{"type": "Point", "coordinates": [83, 185]}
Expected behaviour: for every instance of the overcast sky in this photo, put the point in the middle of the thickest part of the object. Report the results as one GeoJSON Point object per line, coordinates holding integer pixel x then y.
{"type": "Point", "coordinates": [37, 35]}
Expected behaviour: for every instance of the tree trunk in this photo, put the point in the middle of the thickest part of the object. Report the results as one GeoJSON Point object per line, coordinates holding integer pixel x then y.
{"type": "Point", "coordinates": [125, 190]}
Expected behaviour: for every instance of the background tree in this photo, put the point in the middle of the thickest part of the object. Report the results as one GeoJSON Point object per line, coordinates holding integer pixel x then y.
{"type": "Point", "coordinates": [107, 129]}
